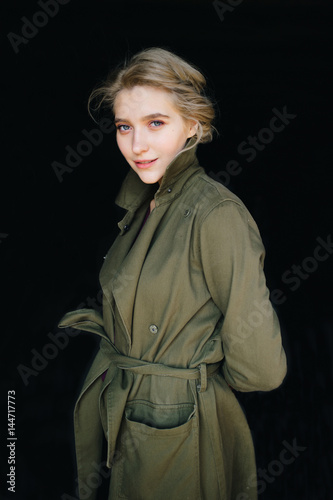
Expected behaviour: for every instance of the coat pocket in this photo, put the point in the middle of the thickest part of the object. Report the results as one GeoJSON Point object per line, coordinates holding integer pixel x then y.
{"type": "Point", "coordinates": [159, 452]}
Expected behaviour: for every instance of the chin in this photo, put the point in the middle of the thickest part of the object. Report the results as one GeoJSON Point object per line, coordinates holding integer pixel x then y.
{"type": "Point", "coordinates": [149, 181]}
{"type": "Point", "coordinates": [148, 178]}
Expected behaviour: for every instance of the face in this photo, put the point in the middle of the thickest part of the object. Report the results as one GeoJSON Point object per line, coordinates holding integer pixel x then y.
{"type": "Point", "coordinates": [150, 131]}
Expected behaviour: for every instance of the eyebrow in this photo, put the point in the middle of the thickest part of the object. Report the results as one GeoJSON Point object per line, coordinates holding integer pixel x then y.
{"type": "Point", "coordinates": [144, 118]}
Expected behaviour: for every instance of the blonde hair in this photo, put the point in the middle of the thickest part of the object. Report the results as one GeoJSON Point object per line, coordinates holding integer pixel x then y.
{"type": "Point", "coordinates": [157, 67]}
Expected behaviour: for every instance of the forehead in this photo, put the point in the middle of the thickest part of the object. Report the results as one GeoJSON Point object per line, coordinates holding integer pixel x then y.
{"type": "Point", "coordinates": [143, 100]}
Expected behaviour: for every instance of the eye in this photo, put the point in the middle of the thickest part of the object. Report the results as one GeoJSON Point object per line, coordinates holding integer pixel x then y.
{"type": "Point", "coordinates": [123, 128]}
{"type": "Point", "coordinates": [156, 123]}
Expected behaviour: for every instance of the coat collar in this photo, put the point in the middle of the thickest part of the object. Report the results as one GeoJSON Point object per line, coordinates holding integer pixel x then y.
{"type": "Point", "coordinates": [134, 192]}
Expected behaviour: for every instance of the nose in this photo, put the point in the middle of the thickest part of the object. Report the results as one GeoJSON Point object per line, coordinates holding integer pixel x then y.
{"type": "Point", "coordinates": [139, 142]}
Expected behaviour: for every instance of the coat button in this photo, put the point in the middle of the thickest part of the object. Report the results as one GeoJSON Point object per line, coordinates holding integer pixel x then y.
{"type": "Point", "coordinates": [187, 212]}
{"type": "Point", "coordinates": [126, 227]}
{"type": "Point", "coordinates": [169, 190]}
{"type": "Point", "coordinates": [153, 329]}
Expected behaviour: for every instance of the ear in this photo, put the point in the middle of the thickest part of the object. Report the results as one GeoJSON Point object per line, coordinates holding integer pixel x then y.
{"type": "Point", "coordinates": [193, 128]}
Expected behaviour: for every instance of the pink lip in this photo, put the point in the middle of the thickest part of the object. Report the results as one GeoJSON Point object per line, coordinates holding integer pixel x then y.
{"type": "Point", "coordinates": [145, 165]}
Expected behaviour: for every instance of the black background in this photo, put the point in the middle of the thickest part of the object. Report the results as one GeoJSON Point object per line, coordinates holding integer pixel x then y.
{"type": "Point", "coordinates": [54, 234]}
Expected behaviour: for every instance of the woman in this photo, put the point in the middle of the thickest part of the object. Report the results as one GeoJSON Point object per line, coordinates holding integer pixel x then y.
{"type": "Point", "coordinates": [186, 312]}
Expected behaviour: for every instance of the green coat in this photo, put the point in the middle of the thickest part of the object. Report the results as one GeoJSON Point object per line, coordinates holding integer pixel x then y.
{"type": "Point", "coordinates": [186, 315]}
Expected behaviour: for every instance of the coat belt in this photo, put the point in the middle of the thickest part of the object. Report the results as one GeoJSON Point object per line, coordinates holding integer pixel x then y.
{"type": "Point", "coordinates": [118, 384]}
{"type": "Point", "coordinates": [113, 392]}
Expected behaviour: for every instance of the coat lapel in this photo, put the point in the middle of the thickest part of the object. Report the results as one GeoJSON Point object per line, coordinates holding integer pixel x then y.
{"type": "Point", "coordinates": [122, 268]}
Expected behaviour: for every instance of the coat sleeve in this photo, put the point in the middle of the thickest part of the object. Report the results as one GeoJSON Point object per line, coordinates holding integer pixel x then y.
{"type": "Point", "coordinates": [232, 255]}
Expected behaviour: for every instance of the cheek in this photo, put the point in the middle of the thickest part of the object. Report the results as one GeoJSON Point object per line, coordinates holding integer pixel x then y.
{"type": "Point", "coordinates": [177, 144]}
{"type": "Point", "coordinates": [172, 143]}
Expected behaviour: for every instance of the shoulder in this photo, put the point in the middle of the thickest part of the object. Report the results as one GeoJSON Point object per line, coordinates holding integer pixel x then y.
{"type": "Point", "coordinates": [223, 221]}
{"type": "Point", "coordinates": [213, 200]}
{"type": "Point", "coordinates": [211, 190]}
